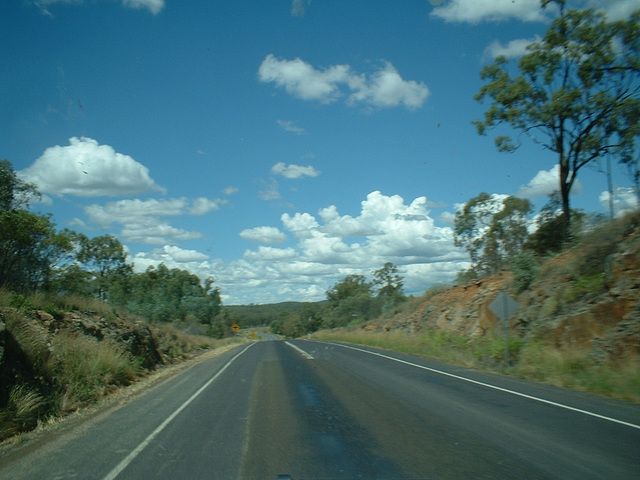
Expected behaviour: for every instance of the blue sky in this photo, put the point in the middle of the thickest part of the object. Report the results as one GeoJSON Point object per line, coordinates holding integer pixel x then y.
{"type": "Point", "coordinates": [276, 145]}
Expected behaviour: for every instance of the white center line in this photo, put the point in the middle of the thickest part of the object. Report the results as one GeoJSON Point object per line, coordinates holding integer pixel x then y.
{"type": "Point", "coordinates": [136, 451]}
{"type": "Point", "coordinates": [302, 352]}
{"type": "Point", "coordinates": [505, 390]}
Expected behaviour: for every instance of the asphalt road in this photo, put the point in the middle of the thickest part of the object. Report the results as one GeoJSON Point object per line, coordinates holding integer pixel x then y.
{"type": "Point", "coordinates": [317, 410]}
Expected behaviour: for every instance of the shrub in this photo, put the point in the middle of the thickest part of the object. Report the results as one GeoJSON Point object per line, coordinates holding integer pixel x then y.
{"type": "Point", "coordinates": [584, 285]}
{"type": "Point", "coordinates": [525, 268]}
{"type": "Point", "coordinates": [550, 306]}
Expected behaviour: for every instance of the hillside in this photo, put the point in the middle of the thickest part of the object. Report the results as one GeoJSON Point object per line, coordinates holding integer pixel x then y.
{"type": "Point", "coordinates": [581, 309]}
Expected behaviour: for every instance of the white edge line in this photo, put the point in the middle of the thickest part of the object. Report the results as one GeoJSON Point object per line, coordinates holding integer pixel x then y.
{"type": "Point", "coordinates": [136, 451]}
{"type": "Point", "coordinates": [302, 352]}
{"type": "Point", "coordinates": [512, 392]}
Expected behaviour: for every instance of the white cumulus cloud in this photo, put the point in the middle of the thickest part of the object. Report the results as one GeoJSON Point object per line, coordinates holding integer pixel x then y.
{"type": "Point", "coordinates": [386, 88]}
{"type": "Point", "coordinates": [615, 9]}
{"type": "Point", "coordinates": [202, 205]}
{"type": "Point", "coordinates": [230, 190]}
{"type": "Point", "coordinates": [324, 251]}
{"type": "Point", "coordinates": [382, 89]}
{"type": "Point", "coordinates": [294, 171]}
{"type": "Point", "coordinates": [513, 49]}
{"type": "Point", "coordinates": [173, 257]}
{"type": "Point", "coordinates": [270, 253]}
{"type": "Point", "coordinates": [142, 220]}
{"type": "Point", "coordinates": [154, 6]}
{"type": "Point", "coordinates": [545, 183]}
{"type": "Point", "coordinates": [624, 200]}
{"type": "Point", "coordinates": [86, 169]}
{"type": "Point", "coordinates": [475, 11]}
{"type": "Point", "coordinates": [289, 126]}
{"type": "Point", "coordinates": [264, 235]}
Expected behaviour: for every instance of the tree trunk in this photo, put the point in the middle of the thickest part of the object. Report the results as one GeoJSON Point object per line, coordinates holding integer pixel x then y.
{"type": "Point", "coordinates": [565, 188]}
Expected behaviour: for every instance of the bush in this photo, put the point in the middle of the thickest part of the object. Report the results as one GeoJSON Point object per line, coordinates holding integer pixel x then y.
{"type": "Point", "coordinates": [525, 268]}
{"type": "Point", "coordinates": [584, 285]}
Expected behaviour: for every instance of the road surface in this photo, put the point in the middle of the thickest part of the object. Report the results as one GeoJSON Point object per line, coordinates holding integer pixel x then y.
{"type": "Point", "coordinates": [320, 410]}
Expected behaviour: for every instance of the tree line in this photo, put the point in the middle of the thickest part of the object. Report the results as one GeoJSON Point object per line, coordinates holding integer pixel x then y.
{"type": "Point", "coordinates": [34, 256]}
{"type": "Point", "coordinates": [349, 301]}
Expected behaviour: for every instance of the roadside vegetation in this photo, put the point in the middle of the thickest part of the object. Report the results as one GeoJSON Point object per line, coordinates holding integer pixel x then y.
{"type": "Point", "coordinates": [60, 354]}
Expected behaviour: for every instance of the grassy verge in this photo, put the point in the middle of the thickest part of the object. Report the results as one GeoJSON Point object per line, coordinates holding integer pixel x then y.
{"type": "Point", "coordinates": [533, 361]}
{"type": "Point", "coordinates": [45, 374]}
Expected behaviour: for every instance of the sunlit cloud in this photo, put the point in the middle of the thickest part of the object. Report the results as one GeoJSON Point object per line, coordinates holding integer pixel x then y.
{"type": "Point", "coordinates": [383, 88]}
{"type": "Point", "coordinates": [86, 169]}
{"type": "Point", "coordinates": [476, 11]}
{"type": "Point", "coordinates": [264, 235]}
{"type": "Point", "coordinates": [143, 221]}
{"type": "Point", "coordinates": [153, 6]}
{"type": "Point", "coordinates": [513, 49]}
{"type": "Point", "coordinates": [545, 183]}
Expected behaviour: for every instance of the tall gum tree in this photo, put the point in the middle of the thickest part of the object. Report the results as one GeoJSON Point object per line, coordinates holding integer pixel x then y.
{"type": "Point", "coordinates": [575, 93]}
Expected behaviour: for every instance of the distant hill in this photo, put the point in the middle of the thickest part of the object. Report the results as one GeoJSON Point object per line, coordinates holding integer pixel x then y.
{"type": "Point", "coordinates": [264, 314]}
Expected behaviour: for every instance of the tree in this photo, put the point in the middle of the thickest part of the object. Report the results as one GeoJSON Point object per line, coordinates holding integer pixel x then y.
{"type": "Point", "coordinates": [29, 244]}
{"type": "Point", "coordinates": [492, 229]}
{"type": "Point", "coordinates": [548, 236]}
{"type": "Point", "coordinates": [105, 257]}
{"type": "Point", "coordinates": [389, 281]}
{"type": "Point", "coordinates": [14, 193]}
{"type": "Point", "coordinates": [632, 162]}
{"type": "Point", "coordinates": [161, 294]}
{"type": "Point", "coordinates": [576, 93]}
{"type": "Point", "coordinates": [349, 300]}
{"type": "Point", "coordinates": [23, 263]}
{"type": "Point", "coordinates": [350, 286]}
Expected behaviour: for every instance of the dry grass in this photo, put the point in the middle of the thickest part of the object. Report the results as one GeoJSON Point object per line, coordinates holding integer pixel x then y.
{"type": "Point", "coordinates": [61, 371]}
{"type": "Point", "coordinates": [533, 361]}
{"type": "Point", "coordinates": [84, 369]}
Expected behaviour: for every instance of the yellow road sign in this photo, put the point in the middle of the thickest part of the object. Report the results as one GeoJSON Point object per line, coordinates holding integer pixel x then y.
{"type": "Point", "coordinates": [235, 327]}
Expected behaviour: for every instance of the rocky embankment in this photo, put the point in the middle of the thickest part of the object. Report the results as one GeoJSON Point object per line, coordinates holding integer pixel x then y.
{"type": "Point", "coordinates": [587, 298]}
{"type": "Point", "coordinates": [35, 330]}
{"type": "Point", "coordinates": [53, 362]}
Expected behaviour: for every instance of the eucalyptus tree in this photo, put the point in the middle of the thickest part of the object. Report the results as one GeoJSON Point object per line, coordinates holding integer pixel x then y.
{"type": "Point", "coordinates": [105, 257]}
{"type": "Point", "coordinates": [29, 243]}
{"type": "Point", "coordinates": [493, 229]}
{"type": "Point", "coordinates": [575, 92]}
{"type": "Point", "coordinates": [389, 281]}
